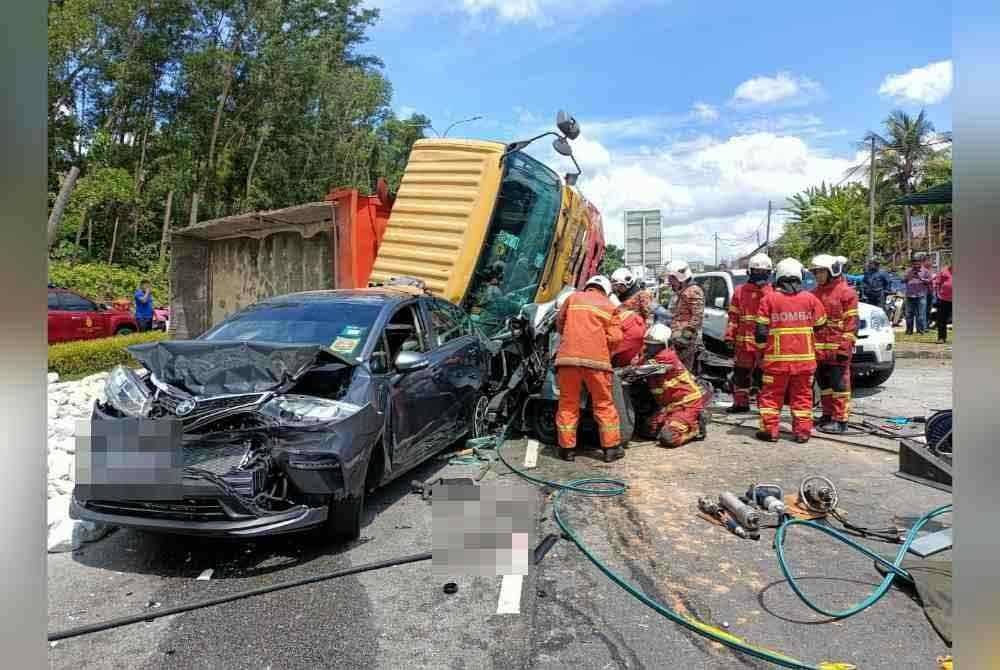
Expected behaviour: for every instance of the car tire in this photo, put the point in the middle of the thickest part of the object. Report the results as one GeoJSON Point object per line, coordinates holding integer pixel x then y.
{"type": "Point", "coordinates": [125, 330]}
{"type": "Point", "coordinates": [543, 421]}
{"type": "Point", "coordinates": [876, 377]}
{"type": "Point", "coordinates": [345, 517]}
{"type": "Point", "coordinates": [478, 425]}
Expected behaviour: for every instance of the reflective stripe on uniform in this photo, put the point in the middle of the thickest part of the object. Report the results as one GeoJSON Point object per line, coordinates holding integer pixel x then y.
{"type": "Point", "coordinates": [841, 394]}
{"type": "Point", "coordinates": [768, 410]}
{"type": "Point", "coordinates": [792, 330]}
{"type": "Point", "coordinates": [851, 312]}
{"type": "Point", "coordinates": [767, 379]}
{"type": "Point", "coordinates": [826, 392]}
{"type": "Point", "coordinates": [827, 346]}
{"type": "Point", "coordinates": [690, 397]}
{"type": "Point", "coordinates": [851, 336]}
{"type": "Point", "coordinates": [609, 428]}
{"type": "Point", "coordinates": [748, 317]}
{"type": "Point", "coordinates": [789, 357]}
{"type": "Point", "coordinates": [763, 320]}
{"type": "Point", "coordinates": [821, 321]}
{"type": "Point", "coordinates": [802, 413]}
{"type": "Point", "coordinates": [566, 428]}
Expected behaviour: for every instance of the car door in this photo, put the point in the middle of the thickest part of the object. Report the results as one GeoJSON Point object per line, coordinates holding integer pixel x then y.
{"type": "Point", "coordinates": [58, 319]}
{"type": "Point", "coordinates": [85, 320]}
{"type": "Point", "coordinates": [716, 290]}
{"type": "Point", "coordinates": [414, 418]}
{"type": "Point", "coordinates": [458, 360]}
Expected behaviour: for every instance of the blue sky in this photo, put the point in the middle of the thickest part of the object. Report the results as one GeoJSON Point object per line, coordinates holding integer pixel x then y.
{"type": "Point", "coordinates": [703, 109]}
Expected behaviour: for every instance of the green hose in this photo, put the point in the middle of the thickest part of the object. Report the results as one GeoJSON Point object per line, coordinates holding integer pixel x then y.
{"type": "Point", "coordinates": [894, 569]}
{"type": "Point", "coordinates": [601, 486]}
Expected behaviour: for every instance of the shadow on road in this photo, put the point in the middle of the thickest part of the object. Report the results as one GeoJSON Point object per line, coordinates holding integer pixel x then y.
{"type": "Point", "coordinates": [788, 600]}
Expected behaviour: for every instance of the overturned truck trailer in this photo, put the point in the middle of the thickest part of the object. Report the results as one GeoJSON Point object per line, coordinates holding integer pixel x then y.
{"type": "Point", "coordinates": [220, 266]}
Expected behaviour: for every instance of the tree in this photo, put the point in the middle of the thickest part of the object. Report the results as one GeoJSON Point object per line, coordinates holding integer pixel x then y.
{"type": "Point", "coordinates": [614, 258]}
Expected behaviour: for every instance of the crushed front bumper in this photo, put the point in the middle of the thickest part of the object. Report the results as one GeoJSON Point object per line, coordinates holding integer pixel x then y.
{"type": "Point", "coordinates": [180, 517]}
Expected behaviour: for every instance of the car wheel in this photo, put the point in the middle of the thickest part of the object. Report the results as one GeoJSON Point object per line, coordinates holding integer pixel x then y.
{"type": "Point", "coordinates": [543, 421]}
{"type": "Point", "coordinates": [125, 330]}
{"type": "Point", "coordinates": [345, 517]}
{"type": "Point", "coordinates": [876, 377]}
{"type": "Point", "coordinates": [480, 426]}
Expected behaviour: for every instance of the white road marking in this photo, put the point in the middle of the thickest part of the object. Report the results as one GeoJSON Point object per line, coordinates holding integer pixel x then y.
{"type": "Point", "coordinates": [531, 454]}
{"type": "Point", "coordinates": [510, 594]}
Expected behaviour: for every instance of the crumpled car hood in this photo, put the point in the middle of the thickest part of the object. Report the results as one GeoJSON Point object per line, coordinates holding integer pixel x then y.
{"type": "Point", "coordinates": [217, 368]}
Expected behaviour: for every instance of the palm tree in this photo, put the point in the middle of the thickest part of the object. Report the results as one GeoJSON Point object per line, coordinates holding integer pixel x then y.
{"type": "Point", "coordinates": [901, 152]}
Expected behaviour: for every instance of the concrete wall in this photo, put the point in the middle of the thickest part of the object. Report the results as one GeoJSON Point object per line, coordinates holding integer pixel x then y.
{"type": "Point", "coordinates": [242, 271]}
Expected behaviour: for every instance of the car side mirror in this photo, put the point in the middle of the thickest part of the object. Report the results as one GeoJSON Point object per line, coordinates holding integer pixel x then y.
{"type": "Point", "coordinates": [720, 302]}
{"type": "Point", "coordinates": [408, 361]}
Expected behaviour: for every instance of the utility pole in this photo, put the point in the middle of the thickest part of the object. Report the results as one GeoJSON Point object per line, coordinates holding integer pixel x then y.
{"type": "Point", "coordinates": [716, 251]}
{"type": "Point", "coordinates": [871, 204]}
{"type": "Point", "coordinates": [767, 234]}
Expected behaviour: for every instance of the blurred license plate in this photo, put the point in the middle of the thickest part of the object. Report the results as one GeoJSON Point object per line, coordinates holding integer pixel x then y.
{"type": "Point", "coordinates": [129, 459]}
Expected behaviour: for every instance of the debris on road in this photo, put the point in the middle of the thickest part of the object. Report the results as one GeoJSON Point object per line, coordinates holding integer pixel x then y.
{"type": "Point", "coordinates": [204, 576]}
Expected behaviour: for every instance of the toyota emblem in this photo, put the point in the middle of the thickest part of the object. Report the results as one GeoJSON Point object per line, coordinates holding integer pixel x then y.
{"type": "Point", "coordinates": [184, 407]}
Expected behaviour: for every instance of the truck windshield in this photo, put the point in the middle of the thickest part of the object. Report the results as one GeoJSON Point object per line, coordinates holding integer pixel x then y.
{"type": "Point", "coordinates": [340, 325]}
{"type": "Point", "coordinates": [517, 244]}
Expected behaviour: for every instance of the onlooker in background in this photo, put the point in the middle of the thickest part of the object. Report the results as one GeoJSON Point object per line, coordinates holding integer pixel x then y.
{"type": "Point", "coordinates": [931, 297]}
{"type": "Point", "coordinates": [942, 287]}
{"type": "Point", "coordinates": [876, 285]}
{"type": "Point", "coordinates": [918, 283]}
{"type": "Point", "coordinates": [144, 306]}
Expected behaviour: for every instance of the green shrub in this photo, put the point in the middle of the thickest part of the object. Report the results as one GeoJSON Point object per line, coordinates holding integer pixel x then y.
{"type": "Point", "coordinates": [73, 360]}
{"type": "Point", "coordinates": [104, 283]}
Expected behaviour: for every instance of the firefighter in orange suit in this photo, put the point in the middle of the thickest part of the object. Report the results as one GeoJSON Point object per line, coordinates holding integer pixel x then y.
{"type": "Point", "coordinates": [681, 417]}
{"type": "Point", "coordinates": [590, 329]}
{"type": "Point", "coordinates": [740, 330]}
{"type": "Point", "coordinates": [633, 330]}
{"type": "Point", "coordinates": [632, 295]}
{"type": "Point", "coordinates": [688, 314]}
{"type": "Point", "coordinates": [835, 341]}
{"type": "Point", "coordinates": [786, 321]}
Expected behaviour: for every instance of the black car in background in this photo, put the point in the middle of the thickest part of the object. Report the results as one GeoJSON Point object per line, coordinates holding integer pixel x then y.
{"type": "Point", "coordinates": [292, 410]}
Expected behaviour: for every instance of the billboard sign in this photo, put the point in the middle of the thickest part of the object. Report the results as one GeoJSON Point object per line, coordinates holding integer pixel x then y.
{"type": "Point", "coordinates": [643, 240]}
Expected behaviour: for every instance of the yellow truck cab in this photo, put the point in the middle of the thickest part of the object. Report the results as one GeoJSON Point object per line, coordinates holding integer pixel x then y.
{"type": "Point", "coordinates": [487, 227]}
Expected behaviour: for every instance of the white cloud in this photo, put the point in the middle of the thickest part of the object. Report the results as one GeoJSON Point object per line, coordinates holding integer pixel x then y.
{"type": "Point", "coordinates": [544, 11]}
{"type": "Point", "coordinates": [405, 112]}
{"type": "Point", "coordinates": [923, 85]}
{"type": "Point", "coordinates": [705, 111]}
{"type": "Point", "coordinates": [702, 186]}
{"type": "Point", "coordinates": [783, 86]}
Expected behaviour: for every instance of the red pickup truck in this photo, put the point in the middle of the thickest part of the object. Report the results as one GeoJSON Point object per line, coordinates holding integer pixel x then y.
{"type": "Point", "coordinates": [73, 317]}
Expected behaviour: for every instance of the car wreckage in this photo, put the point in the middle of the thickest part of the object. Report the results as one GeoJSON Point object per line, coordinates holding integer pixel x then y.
{"type": "Point", "coordinates": [290, 412]}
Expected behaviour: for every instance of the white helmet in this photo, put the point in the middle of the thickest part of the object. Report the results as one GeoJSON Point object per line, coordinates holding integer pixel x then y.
{"type": "Point", "coordinates": [788, 268]}
{"type": "Point", "coordinates": [832, 264]}
{"type": "Point", "coordinates": [760, 262]}
{"type": "Point", "coordinates": [679, 270]}
{"type": "Point", "coordinates": [601, 282]}
{"type": "Point", "coordinates": [658, 333]}
{"type": "Point", "coordinates": [623, 276]}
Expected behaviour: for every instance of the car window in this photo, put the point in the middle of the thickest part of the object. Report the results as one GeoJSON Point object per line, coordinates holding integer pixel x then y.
{"type": "Point", "coordinates": [341, 325]}
{"type": "Point", "coordinates": [74, 303]}
{"type": "Point", "coordinates": [715, 287]}
{"type": "Point", "coordinates": [449, 322]}
{"type": "Point", "coordinates": [54, 300]}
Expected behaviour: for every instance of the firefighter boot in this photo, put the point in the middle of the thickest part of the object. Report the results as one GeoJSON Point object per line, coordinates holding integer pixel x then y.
{"type": "Point", "coordinates": [613, 454]}
{"type": "Point", "coordinates": [835, 427]}
{"type": "Point", "coordinates": [801, 439]}
{"type": "Point", "coordinates": [738, 409]}
{"type": "Point", "coordinates": [567, 454]}
{"type": "Point", "coordinates": [702, 428]}
{"type": "Point", "coordinates": [765, 436]}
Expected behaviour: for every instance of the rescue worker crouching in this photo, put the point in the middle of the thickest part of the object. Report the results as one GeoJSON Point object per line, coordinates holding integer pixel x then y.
{"type": "Point", "coordinates": [590, 329]}
{"type": "Point", "coordinates": [681, 415]}
{"type": "Point", "coordinates": [835, 341]}
{"type": "Point", "coordinates": [740, 328]}
{"type": "Point", "coordinates": [631, 294]}
{"type": "Point", "coordinates": [688, 314]}
{"type": "Point", "coordinates": [786, 322]}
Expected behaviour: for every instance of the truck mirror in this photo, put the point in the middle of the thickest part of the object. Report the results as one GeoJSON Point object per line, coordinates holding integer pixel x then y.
{"type": "Point", "coordinates": [567, 125]}
{"type": "Point", "coordinates": [561, 145]}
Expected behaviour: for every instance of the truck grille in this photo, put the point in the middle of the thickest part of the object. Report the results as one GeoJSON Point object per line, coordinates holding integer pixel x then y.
{"type": "Point", "coordinates": [174, 510]}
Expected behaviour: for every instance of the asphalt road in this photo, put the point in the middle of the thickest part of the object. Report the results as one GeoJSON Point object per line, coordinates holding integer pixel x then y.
{"type": "Point", "coordinates": [569, 613]}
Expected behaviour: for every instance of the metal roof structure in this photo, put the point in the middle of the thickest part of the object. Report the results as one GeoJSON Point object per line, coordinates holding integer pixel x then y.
{"type": "Point", "coordinates": [935, 195]}
{"type": "Point", "coordinates": [307, 220]}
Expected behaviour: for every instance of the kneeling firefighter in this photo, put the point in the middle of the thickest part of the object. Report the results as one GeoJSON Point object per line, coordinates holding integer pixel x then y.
{"type": "Point", "coordinates": [590, 329]}
{"type": "Point", "coordinates": [740, 330]}
{"type": "Point", "coordinates": [786, 320]}
{"type": "Point", "coordinates": [681, 417]}
{"type": "Point", "coordinates": [835, 341]}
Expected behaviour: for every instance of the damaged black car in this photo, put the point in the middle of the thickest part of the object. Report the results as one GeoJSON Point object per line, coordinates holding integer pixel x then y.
{"type": "Point", "coordinates": [289, 413]}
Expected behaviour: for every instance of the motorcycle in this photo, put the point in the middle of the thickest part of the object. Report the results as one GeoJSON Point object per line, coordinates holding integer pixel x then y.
{"type": "Point", "coordinates": [161, 318]}
{"type": "Point", "coordinates": [895, 308]}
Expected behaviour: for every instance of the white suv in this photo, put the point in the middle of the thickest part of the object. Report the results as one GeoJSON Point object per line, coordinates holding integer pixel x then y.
{"type": "Point", "coordinates": [874, 352]}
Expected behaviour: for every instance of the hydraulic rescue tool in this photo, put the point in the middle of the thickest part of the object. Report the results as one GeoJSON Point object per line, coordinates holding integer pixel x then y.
{"type": "Point", "coordinates": [818, 494]}
{"type": "Point", "coordinates": [714, 510]}
{"type": "Point", "coordinates": [747, 516]}
{"type": "Point", "coordinates": [770, 497]}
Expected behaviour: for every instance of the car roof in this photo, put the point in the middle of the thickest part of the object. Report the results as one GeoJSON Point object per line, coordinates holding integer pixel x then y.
{"type": "Point", "coordinates": [378, 295]}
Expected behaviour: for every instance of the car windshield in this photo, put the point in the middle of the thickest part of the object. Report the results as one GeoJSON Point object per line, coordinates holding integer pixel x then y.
{"type": "Point", "coordinates": [341, 325]}
{"type": "Point", "coordinates": [517, 244]}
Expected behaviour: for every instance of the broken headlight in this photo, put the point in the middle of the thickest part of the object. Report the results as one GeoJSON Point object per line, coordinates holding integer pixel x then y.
{"type": "Point", "coordinates": [127, 393]}
{"type": "Point", "coordinates": [878, 320]}
{"type": "Point", "coordinates": [304, 410]}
